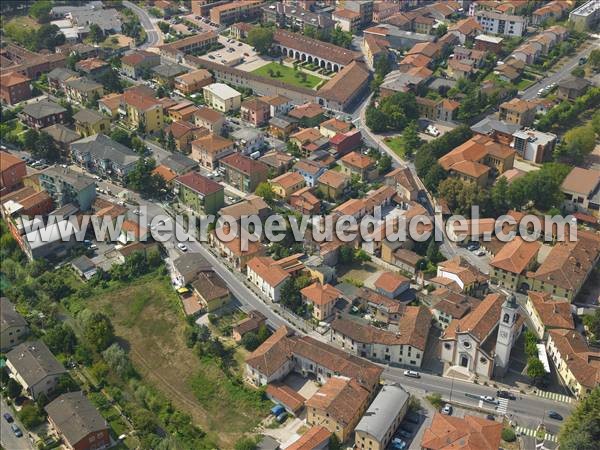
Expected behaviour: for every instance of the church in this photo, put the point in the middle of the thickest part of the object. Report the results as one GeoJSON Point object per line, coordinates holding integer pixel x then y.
{"type": "Point", "coordinates": [479, 344]}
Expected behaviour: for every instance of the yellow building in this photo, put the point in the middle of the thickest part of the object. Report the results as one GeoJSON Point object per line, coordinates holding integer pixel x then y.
{"type": "Point", "coordinates": [322, 298]}
{"type": "Point", "coordinates": [221, 97]}
{"type": "Point", "coordinates": [338, 406]}
{"type": "Point", "coordinates": [285, 185]}
{"type": "Point", "coordinates": [88, 122]}
{"type": "Point", "coordinates": [212, 290]}
{"type": "Point", "coordinates": [548, 313]}
{"type": "Point", "coordinates": [143, 111]}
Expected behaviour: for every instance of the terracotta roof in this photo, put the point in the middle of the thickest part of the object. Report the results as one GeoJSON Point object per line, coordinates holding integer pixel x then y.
{"type": "Point", "coordinates": [267, 269]}
{"type": "Point", "coordinates": [288, 179]}
{"type": "Point", "coordinates": [180, 128]}
{"type": "Point", "coordinates": [210, 286]}
{"type": "Point", "coordinates": [461, 66]}
{"type": "Point", "coordinates": [321, 295]}
{"type": "Point", "coordinates": [341, 398]}
{"type": "Point", "coordinates": [429, 49]}
{"type": "Point", "coordinates": [8, 160]}
{"type": "Point", "coordinates": [333, 179]}
{"type": "Point", "coordinates": [199, 183]}
{"type": "Point", "coordinates": [358, 160]}
{"type": "Point", "coordinates": [139, 100]}
{"type": "Point", "coordinates": [167, 174]}
{"type": "Point", "coordinates": [90, 64]}
{"type": "Point", "coordinates": [553, 313]}
{"type": "Point", "coordinates": [380, 301]}
{"type": "Point", "coordinates": [518, 105]}
{"type": "Point", "coordinates": [416, 60]}
{"type": "Point", "coordinates": [390, 281]}
{"type": "Point", "coordinates": [346, 83]}
{"type": "Point", "coordinates": [583, 363]}
{"type": "Point", "coordinates": [194, 76]}
{"type": "Point", "coordinates": [582, 181]}
{"type": "Point", "coordinates": [12, 79]}
{"type": "Point", "coordinates": [306, 135]}
{"type": "Point", "coordinates": [407, 256]}
{"type": "Point", "coordinates": [480, 322]}
{"type": "Point", "coordinates": [516, 255]}
{"type": "Point", "coordinates": [466, 26]}
{"type": "Point", "coordinates": [345, 14]}
{"type": "Point", "coordinates": [253, 204]}
{"type": "Point", "coordinates": [136, 57]}
{"type": "Point", "coordinates": [276, 100]}
{"type": "Point", "coordinates": [285, 395]}
{"type": "Point", "coordinates": [272, 354]}
{"type": "Point", "coordinates": [464, 271]}
{"type": "Point", "coordinates": [307, 110]}
{"type": "Point", "coordinates": [568, 264]}
{"type": "Point", "coordinates": [212, 143]}
{"type": "Point", "coordinates": [208, 115]}
{"type": "Point", "coordinates": [244, 164]}
{"type": "Point", "coordinates": [112, 101]}
{"type": "Point", "coordinates": [453, 304]}
{"type": "Point", "coordinates": [312, 439]}
{"type": "Point", "coordinates": [337, 125]}
{"type": "Point", "coordinates": [314, 47]}
{"type": "Point", "coordinates": [468, 433]}
{"type": "Point", "coordinates": [471, 150]}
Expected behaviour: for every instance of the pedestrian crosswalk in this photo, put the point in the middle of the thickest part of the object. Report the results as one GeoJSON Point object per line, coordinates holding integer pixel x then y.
{"type": "Point", "coordinates": [531, 433]}
{"type": "Point", "coordinates": [502, 406]}
{"type": "Point", "coordinates": [554, 396]}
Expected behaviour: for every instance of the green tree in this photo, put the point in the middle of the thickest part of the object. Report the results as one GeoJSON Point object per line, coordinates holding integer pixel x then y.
{"type": "Point", "coordinates": [440, 30]}
{"type": "Point", "coordinates": [261, 38]}
{"type": "Point", "coordinates": [410, 138]}
{"type": "Point", "coordinates": [171, 144]}
{"type": "Point", "coordinates": [578, 72]}
{"type": "Point", "coordinates": [246, 443]}
{"type": "Point", "coordinates": [581, 430]}
{"type": "Point", "coordinates": [596, 122]}
{"type": "Point", "coordinates": [121, 136]}
{"type": "Point", "coordinates": [334, 443]}
{"type": "Point", "coordinates": [250, 341]}
{"type": "Point", "coordinates": [535, 369]}
{"type": "Point", "coordinates": [435, 398]}
{"type": "Point", "coordinates": [96, 33]}
{"type": "Point", "coordinates": [578, 142]}
{"type": "Point", "coordinates": [98, 331]}
{"type": "Point", "coordinates": [30, 138]}
{"type": "Point", "coordinates": [594, 59]}
{"type": "Point", "coordinates": [499, 196]}
{"type": "Point", "coordinates": [46, 148]}
{"type": "Point", "coordinates": [384, 164]}
{"type": "Point", "coordinates": [508, 435]}
{"type": "Point", "coordinates": [31, 416]}
{"type": "Point", "coordinates": [164, 27]}
{"type": "Point", "coordinates": [111, 81]}
{"type": "Point", "coordinates": [592, 323]}
{"type": "Point", "coordinates": [341, 38]}
{"type": "Point", "coordinates": [13, 388]}
{"type": "Point", "coordinates": [46, 37]}
{"type": "Point", "coordinates": [142, 179]}
{"type": "Point", "coordinates": [40, 10]}
{"type": "Point", "coordinates": [375, 120]}
{"type": "Point", "coordinates": [265, 191]}
{"type": "Point", "coordinates": [382, 66]}
{"type": "Point", "coordinates": [60, 339]}
{"type": "Point", "coordinates": [117, 360]}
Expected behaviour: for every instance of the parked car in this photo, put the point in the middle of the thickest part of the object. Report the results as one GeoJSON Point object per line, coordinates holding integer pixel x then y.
{"type": "Point", "coordinates": [490, 417]}
{"type": "Point", "coordinates": [404, 434]}
{"type": "Point", "coordinates": [182, 247]}
{"type": "Point", "coordinates": [488, 399]}
{"type": "Point", "coordinates": [407, 428]}
{"type": "Point", "coordinates": [398, 444]}
{"type": "Point", "coordinates": [15, 429]}
{"type": "Point", "coordinates": [411, 374]}
{"type": "Point", "coordinates": [447, 410]}
{"type": "Point", "coordinates": [473, 246]}
{"type": "Point", "coordinates": [506, 394]}
{"type": "Point", "coordinates": [554, 415]}
{"type": "Point", "coordinates": [8, 417]}
{"type": "Point", "coordinates": [413, 418]}
{"type": "Point", "coordinates": [281, 417]}
{"type": "Point", "coordinates": [480, 253]}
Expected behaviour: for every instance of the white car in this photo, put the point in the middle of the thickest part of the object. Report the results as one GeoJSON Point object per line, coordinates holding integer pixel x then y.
{"type": "Point", "coordinates": [182, 247]}
{"type": "Point", "coordinates": [447, 410]}
{"type": "Point", "coordinates": [412, 374]}
{"type": "Point", "coordinates": [480, 253]}
{"type": "Point", "coordinates": [488, 399]}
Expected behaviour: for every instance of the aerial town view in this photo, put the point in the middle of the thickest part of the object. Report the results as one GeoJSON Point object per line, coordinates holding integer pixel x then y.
{"type": "Point", "coordinates": [300, 224]}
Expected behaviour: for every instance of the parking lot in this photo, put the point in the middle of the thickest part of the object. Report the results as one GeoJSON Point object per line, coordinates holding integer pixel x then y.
{"type": "Point", "coordinates": [236, 54]}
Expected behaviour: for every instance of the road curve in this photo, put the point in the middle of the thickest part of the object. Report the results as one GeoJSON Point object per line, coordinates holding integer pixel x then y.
{"type": "Point", "coordinates": [152, 31]}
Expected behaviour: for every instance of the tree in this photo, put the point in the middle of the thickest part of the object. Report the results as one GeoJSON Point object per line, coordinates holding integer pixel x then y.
{"type": "Point", "coordinates": [334, 442]}
{"type": "Point", "coordinates": [346, 255]}
{"type": "Point", "coordinates": [384, 164]}
{"type": "Point", "coordinates": [382, 66]}
{"type": "Point", "coordinates": [596, 122]}
{"type": "Point", "coordinates": [341, 38]}
{"type": "Point", "coordinates": [410, 138]}
{"type": "Point", "coordinates": [30, 138]}
{"type": "Point", "coordinates": [45, 148]}
{"type": "Point", "coordinates": [535, 369]}
{"type": "Point", "coordinates": [40, 10]}
{"type": "Point", "coordinates": [435, 398]}
{"type": "Point", "coordinates": [578, 72]}
{"type": "Point", "coordinates": [60, 339]}
{"type": "Point", "coordinates": [261, 38]}
{"type": "Point", "coordinates": [581, 430]}
{"type": "Point", "coordinates": [31, 416]}
{"type": "Point", "coordinates": [250, 341]}
{"type": "Point", "coordinates": [13, 388]}
{"type": "Point", "coordinates": [594, 60]}
{"type": "Point", "coordinates": [121, 136]}
{"type": "Point", "coordinates": [47, 37]}
{"type": "Point", "coordinates": [265, 191]}
{"type": "Point", "coordinates": [143, 180]}
{"type": "Point", "coordinates": [508, 435]}
{"type": "Point", "coordinates": [171, 144]}
{"type": "Point", "coordinates": [245, 443]}
{"type": "Point", "coordinates": [441, 30]}
{"type": "Point", "coordinates": [164, 26]}
{"type": "Point", "coordinates": [96, 34]}
{"type": "Point", "coordinates": [111, 81]}
{"type": "Point", "coordinates": [592, 323]}
{"type": "Point", "coordinates": [375, 120]}
{"type": "Point", "coordinates": [578, 142]}
{"type": "Point", "coordinates": [161, 92]}
{"type": "Point", "coordinates": [117, 360]}
{"type": "Point", "coordinates": [499, 196]}
{"type": "Point", "coordinates": [98, 331]}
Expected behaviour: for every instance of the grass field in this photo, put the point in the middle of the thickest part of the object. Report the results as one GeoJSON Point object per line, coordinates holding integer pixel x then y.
{"type": "Point", "coordinates": [396, 145]}
{"type": "Point", "coordinates": [287, 75]}
{"type": "Point", "coordinates": [24, 22]}
{"type": "Point", "coordinates": [146, 316]}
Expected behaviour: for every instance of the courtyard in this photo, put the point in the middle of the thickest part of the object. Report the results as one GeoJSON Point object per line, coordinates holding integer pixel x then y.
{"type": "Point", "coordinates": [288, 75]}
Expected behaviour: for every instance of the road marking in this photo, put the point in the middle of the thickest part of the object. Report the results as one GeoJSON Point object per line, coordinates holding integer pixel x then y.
{"type": "Point", "coordinates": [502, 405]}
{"type": "Point", "coordinates": [554, 396]}
{"type": "Point", "coordinates": [531, 433]}
{"type": "Point", "coordinates": [481, 403]}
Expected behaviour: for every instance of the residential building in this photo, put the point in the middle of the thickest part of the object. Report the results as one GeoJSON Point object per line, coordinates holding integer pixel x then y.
{"type": "Point", "coordinates": [518, 111]}
{"type": "Point", "coordinates": [572, 88]}
{"type": "Point", "coordinates": [166, 73]}
{"type": "Point", "coordinates": [142, 110]}
{"type": "Point", "coordinates": [379, 423]}
{"type": "Point", "coordinates": [308, 114]}
{"type": "Point", "coordinates": [212, 291]}
{"type": "Point", "coordinates": [14, 88]}
{"type": "Point", "coordinates": [26, 202]}
{"type": "Point", "coordinates": [138, 63]}
{"type": "Point", "coordinates": [295, 17]}
{"type": "Point", "coordinates": [284, 352]}
{"type": "Point", "coordinates": [13, 327]}
{"type": "Point", "coordinates": [179, 163]}
{"type": "Point", "coordinates": [498, 130]}
{"type": "Point", "coordinates": [500, 23]}
{"type": "Point", "coordinates": [576, 363]}
{"type": "Point", "coordinates": [248, 140]}
{"type": "Point", "coordinates": [243, 173]}
{"type": "Point", "coordinates": [338, 406]}
{"type": "Point", "coordinates": [44, 113]}
{"type": "Point", "coordinates": [305, 202]}
{"type": "Point", "coordinates": [268, 276]}
{"type": "Point", "coordinates": [280, 127]}
{"type": "Point", "coordinates": [586, 16]}
{"type": "Point", "coordinates": [285, 185]}
{"type": "Point", "coordinates": [406, 345]}
{"type": "Point", "coordinates": [403, 180]}
{"type": "Point", "coordinates": [255, 111]}
{"type": "Point", "coordinates": [93, 68]}
{"type": "Point", "coordinates": [406, 260]}
{"type": "Point", "coordinates": [12, 172]}
{"type": "Point", "coordinates": [467, 277]}
{"type": "Point", "coordinates": [357, 164]}
{"type": "Point", "coordinates": [201, 194]}
{"type": "Point", "coordinates": [310, 170]}
{"type": "Point", "coordinates": [346, 20]}
{"type": "Point", "coordinates": [322, 299]}
{"type": "Point", "coordinates": [363, 7]}
{"type": "Point", "coordinates": [316, 438]}
{"type": "Point", "coordinates": [184, 133]}
{"type": "Point", "coordinates": [58, 77]}
{"type": "Point", "coordinates": [448, 305]}
{"type": "Point", "coordinates": [479, 344]}
{"type": "Point", "coordinates": [175, 51]}
{"type": "Point", "coordinates": [332, 184]}
{"type": "Point", "coordinates": [446, 432]}
{"type": "Point", "coordinates": [184, 110]}
{"type": "Point", "coordinates": [83, 90]}
{"type": "Point", "coordinates": [250, 324]}
{"type": "Point", "coordinates": [78, 422]}
{"type": "Point", "coordinates": [222, 97]}
{"type": "Point", "coordinates": [511, 264]}
{"type": "Point", "coordinates": [210, 119]}
{"type": "Point", "coordinates": [89, 122]}
{"type": "Point", "coordinates": [102, 155]}
{"type": "Point", "coordinates": [277, 161]}
{"type": "Point", "coordinates": [109, 104]}
{"type": "Point", "coordinates": [391, 284]}
{"type": "Point", "coordinates": [552, 10]}
{"type": "Point", "coordinates": [208, 150]}
{"type": "Point", "coordinates": [466, 29]}
{"type": "Point", "coordinates": [581, 189]}
{"type": "Point", "coordinates": [187, 267]}
{"type": "Point", "coordinates": [534, 146]}
{"type": "Point", "coordinates": [239, 251]}
{"type": "Point", "coordinates": [547, 313]}
{"type": "Point", "coordinates": [239, 11]}
{"type": "Point", "coordinates": [193, 81]}
{"type": "Point", "coordinates": [68, 186]}
{"type": "Point", "coordinates": [61, 135]}
{"type": "Point", "coordinates": [34, 366]}
{"type": "Point", "coordinates": [486, 43]}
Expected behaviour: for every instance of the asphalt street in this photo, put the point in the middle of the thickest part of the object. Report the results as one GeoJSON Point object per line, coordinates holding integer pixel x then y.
{"type": "Point", "coordinates": [152, 31]}
{"type": "Point", "coordinates": [8, 440]}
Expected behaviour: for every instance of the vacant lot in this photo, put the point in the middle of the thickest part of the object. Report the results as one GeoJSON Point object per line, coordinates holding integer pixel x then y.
{"type": "Point", "coordinates": [287, 75]}
{"type": "Point", "coordinates": [146, 316]}
{"type": "Point", "coordinates": [397, 145]}
{"type": "Point", "coordinates": [25, 22]}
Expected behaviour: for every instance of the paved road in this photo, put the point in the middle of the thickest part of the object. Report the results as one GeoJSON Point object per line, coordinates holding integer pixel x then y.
{"type": "Point", "coordinates": [152, 31]}
{"type": "Point", "coordinates": [8, 440]}
{"type": "Point", "coordinates": [563, 72]}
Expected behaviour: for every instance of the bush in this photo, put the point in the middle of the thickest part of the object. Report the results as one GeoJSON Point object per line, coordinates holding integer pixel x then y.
{"type": "Point", "coordinates": [31, 416]}
{"type": "Point", "coordinates": [508, 435]}
{"type": "Point", "coordinates": [435, 399]}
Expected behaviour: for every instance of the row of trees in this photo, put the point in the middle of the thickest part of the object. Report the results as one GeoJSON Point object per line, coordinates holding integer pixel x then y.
{"type": "Point", "coordinates": [47, 36]}
{"type": "Point", "coordinates": [393, 113]}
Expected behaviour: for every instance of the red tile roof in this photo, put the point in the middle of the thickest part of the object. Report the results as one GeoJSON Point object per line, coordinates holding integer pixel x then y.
{"type": "Point", "coordinates": [199, 183]}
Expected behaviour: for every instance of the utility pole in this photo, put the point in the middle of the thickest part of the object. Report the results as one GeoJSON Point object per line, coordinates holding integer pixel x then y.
{"type": "Point", "coordinates": [451, 388]}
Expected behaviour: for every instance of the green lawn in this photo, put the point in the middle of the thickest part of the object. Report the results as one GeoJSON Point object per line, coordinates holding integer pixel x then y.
{"type": "Point", "coordinates": [396, 145]}
{"type": "Point", "coordinates": [287, 75]}
{"type": "Point", "coordinates": [524, 84]}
